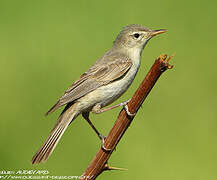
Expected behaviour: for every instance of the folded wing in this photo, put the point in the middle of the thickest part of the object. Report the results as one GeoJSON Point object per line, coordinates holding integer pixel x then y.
{"type": "Point", "coordinates": [98, 75]}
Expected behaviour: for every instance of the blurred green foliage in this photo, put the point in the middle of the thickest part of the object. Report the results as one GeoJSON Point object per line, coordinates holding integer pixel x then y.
{"type": "Point", "coordinates": [46, 45]}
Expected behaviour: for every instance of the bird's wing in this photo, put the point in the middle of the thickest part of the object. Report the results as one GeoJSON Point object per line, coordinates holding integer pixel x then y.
{"type": "Point", "coordinates": [98, 75]}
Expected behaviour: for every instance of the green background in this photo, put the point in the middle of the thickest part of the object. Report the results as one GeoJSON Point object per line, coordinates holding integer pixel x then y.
{"type": "Point", "coordinates": [46, 45]}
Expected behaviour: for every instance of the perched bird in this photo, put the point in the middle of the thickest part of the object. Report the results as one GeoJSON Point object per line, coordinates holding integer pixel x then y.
{"type": "Point", "coordinates": [100, 85]}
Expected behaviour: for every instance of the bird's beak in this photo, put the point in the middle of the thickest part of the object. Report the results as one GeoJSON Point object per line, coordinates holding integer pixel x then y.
{"type": "Point", "coordinates": [156, 32]}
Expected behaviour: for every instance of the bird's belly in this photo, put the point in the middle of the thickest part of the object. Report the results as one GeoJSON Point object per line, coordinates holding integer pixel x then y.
{"type": "Point", "coordinates": [113, 91]}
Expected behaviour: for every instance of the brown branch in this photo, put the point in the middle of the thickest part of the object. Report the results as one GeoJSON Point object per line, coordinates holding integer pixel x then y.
{"type": "Point", "coordinates": [99, 162]}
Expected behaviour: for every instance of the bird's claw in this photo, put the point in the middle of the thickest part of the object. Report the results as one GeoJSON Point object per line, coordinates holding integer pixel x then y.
{"type": "Point", "coordinates": [128, 112]}
{"type": "Point", "coordinates": [124, 104]}
{"type": "Point", "coordinates": [103, 143]}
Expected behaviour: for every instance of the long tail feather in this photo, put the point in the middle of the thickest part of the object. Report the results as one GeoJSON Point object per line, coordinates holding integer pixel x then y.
{"type": "Point", "coordinates": [47, 148]}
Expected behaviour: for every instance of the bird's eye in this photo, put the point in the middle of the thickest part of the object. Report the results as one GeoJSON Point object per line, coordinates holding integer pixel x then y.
{"type": "Point", "coordinates": [136, 35]}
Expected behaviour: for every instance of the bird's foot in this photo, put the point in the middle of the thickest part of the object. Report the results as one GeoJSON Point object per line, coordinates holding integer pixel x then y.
{"type": "Point", "coordinates": [124, 104]}
{"type": "Point", "coordinates": [103, 143]}
{"type": "Point", "coordinates": [128, 112]}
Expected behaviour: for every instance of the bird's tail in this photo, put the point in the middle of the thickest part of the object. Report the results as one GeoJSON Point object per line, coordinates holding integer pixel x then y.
{"type": "Point", "coordinates": [47, 148]}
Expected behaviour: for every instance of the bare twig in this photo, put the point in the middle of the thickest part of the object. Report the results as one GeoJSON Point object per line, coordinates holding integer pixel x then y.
{"type": "Point", "coordinates": [100, 161]}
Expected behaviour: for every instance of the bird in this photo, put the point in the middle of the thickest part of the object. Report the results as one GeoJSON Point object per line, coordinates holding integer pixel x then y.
{"type": "Point", "coordinates": [103, 83]}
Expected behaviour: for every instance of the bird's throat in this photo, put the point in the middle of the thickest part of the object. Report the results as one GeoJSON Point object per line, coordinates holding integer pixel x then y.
{"type": "Point", "coordinates": [135, 54]}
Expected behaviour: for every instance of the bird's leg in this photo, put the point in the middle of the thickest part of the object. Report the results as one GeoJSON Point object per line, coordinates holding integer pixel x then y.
{"type": "Point", "coordinates": [102, 138]}
{"type": "Point", "coordinates": [97, 108]}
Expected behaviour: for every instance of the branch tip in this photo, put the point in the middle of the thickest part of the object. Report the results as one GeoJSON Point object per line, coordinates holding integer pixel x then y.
{"type": "Point", "coordinates": [170, 57]}
{"type": "Point", "coordinates": [163, 58]}
{"type": "Point", "coordinates": [168, 65]}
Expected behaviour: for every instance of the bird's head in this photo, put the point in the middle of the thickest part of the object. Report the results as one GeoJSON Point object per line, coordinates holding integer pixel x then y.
{"type": "Point", "coordinates": [135, 36]}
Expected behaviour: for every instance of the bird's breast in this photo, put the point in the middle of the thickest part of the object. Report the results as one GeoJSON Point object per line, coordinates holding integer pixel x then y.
{"type": "Point", "coordinates": [114, 90]}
